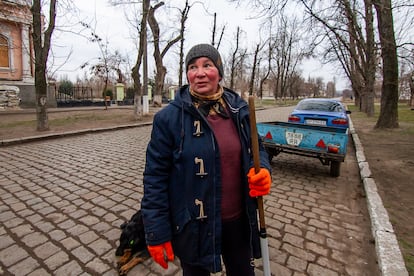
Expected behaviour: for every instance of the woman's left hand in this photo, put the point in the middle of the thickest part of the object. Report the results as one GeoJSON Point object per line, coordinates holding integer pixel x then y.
{"type": "Point", "coordinates": [259, 183]}
{"type": "Point", "coordinates": [162, 253]}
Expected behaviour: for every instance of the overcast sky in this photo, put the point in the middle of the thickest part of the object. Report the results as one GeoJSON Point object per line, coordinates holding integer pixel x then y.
{"type": "Point", "coordinates": [110, 23]}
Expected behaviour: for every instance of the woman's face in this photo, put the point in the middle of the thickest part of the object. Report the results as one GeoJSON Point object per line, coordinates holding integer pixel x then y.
{"type": "Point", "coordinates": [203, 76]}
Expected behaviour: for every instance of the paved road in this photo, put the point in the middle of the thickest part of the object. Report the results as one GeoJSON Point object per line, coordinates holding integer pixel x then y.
{"type": "Point", "coordinates": [62, 202]}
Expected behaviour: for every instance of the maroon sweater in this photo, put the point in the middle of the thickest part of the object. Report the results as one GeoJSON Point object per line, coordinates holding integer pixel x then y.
{"type": "Point", "coordinates": [230, 155]}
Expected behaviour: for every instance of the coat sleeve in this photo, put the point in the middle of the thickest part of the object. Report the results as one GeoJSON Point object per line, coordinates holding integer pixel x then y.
{"type": "Point", "coordinates": [155, 203]}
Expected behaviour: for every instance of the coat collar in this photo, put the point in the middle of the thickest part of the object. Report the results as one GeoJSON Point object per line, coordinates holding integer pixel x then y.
{"type": "Point", "coordinates": [183, 99]}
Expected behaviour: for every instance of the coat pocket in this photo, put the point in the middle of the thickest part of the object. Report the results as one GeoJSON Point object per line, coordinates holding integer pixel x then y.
{"type": "Point", "coordinates": [185, 237]}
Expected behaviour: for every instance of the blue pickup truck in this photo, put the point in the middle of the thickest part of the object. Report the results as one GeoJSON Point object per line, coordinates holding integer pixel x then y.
{"type": "Point", "coordinates": [328, 144]}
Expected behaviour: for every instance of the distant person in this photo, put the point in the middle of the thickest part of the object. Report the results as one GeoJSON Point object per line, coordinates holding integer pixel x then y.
{"type": "Point", "coordinates": [200, 186]}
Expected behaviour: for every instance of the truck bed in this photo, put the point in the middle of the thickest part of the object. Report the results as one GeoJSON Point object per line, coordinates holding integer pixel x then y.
{"type": "Point", "coordinates": [328, 144]}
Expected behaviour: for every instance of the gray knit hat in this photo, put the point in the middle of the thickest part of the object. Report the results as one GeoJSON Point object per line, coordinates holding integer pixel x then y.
{"type": "Point", "coordinates": [205, 50]}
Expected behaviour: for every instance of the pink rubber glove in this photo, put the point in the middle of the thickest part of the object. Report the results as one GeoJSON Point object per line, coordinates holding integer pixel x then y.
{"type": "Point", "coordinates": [259, 183]}
{"type": "Point", "coordinates": [162, 253]}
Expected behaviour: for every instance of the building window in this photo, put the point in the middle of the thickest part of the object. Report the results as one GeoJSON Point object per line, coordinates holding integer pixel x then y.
{"type": "Point", "coordinates": [4, 51]}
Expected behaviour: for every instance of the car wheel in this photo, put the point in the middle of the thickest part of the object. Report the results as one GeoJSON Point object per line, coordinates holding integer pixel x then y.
{"type": "Point", "coordinates": [335, 168]}
{"type": "Point", "coordinates": [270, 157]}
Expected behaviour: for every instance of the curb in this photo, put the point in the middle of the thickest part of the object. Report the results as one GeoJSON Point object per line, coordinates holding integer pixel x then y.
{"type": "Point", "coordinates": [15, 141]}
{"type": "Point", "coordinates": [390, 259]}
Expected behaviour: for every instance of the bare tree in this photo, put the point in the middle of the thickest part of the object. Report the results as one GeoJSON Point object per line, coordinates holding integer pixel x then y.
{"type": "Point", "coordinates": [266, 75]}
{"type": "Point", "coordinates": [388, 117]}
{"type": "Point", "coordinates": [351, 46]}
{"type": "Point", "coordinates": [136, 76]}
{"type": "Point", "coordinates": [233, 60]}
{"type": "Point", "coordinates": [287, 53]}
{"type": "Point", "coordinates": [108, 62]}
{"type": "Point", "coordinates": [213, 33]}
{"type": "Point", "coordinates": [141, 64]}
{"type": "Point", "coordinates": [362, 54]}
{"type": "Point", "coordinates": [411, 84]}
{"type": "Point", "coordinates": [370, 58]}
{"type": "Point", "coordinates": [355, 49]}
{"type": "Point", "coordinates": [140, 88]}
{"type": "Point", "coordinates": [184, 16]}
{"type": "Point", "coordinates": [330, 89]}
{"type": "Point", "coordinates": [161, 70]}
{"type": "Point", "coordinates": [41, 43]}
{"type": "Point", "coordinates": [297, 87]}
{"type": "Point", "coordinates": [253, 73]}
{"type": "Point", "coordinates": [239, 64]}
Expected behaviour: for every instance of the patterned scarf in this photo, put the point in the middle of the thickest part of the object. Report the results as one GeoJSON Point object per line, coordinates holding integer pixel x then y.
{"type": "Point", "coordinates": [211, 104]}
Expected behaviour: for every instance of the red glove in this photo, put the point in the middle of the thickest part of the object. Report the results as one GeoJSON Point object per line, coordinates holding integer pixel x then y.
{"type": "Point", "coordinates": [162, 253]}
{"type": "Point", "coordinates": [259, 183]}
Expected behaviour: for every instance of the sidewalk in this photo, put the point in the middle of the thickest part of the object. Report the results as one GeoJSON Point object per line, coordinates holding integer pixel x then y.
{"type": "Point", "coordinates": [57, 134]}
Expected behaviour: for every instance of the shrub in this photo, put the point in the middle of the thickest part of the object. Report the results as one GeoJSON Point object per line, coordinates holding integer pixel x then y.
{"type": "Point", "coordinates": [109, 93]}
{"type": "Point", "coordinates": [66, 87]}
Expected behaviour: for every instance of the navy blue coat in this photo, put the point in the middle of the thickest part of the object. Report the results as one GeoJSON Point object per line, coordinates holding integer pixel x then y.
{"type": "Point", "coordinates": [183, 169]}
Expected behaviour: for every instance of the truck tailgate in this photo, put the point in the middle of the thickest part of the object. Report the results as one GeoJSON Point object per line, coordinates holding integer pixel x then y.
{"type": "Point", "coordinates": [305, 137]}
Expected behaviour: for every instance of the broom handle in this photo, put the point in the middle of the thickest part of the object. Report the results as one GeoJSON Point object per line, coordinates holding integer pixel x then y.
{"type": "Point", "coordinates": [256, 159]}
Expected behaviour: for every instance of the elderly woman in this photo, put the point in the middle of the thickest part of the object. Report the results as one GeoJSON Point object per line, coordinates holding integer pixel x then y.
{"type": "Point", "coordinates": [199, 185]}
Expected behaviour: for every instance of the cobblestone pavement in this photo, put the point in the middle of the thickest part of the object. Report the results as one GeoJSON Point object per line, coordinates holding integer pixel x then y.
{"type": "Point", "coordinates": [62, 202]}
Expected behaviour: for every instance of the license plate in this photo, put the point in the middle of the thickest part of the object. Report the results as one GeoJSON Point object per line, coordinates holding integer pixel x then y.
{"type": "Point", "coordinates": [315, 122]}
{"type": "Point", "coordinates": [293, 138]}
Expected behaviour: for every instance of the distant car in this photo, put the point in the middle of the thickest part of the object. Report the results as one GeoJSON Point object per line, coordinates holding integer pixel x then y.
{"type": "Point", "coordinates": [320, 112]}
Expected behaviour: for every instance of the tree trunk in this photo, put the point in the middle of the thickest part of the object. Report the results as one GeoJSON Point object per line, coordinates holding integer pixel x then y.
{"type": "Point", "coordinates": [269, 68]}
{"type": "Point", "coordinates": [361, 64]}
{"type": "Point", "coordinates": [253, 76]}
{"type": "Point", "coordinates": [136, 76]}
{"type": "Point", "coordinates": [161, 71]}
{"type": "Point", "coordinates": [369, 67]}
{"type": "Point", "coordinates": [184, 17]}
{"type": "Point", "coordinates": [388, 117]}
{"type": "Point", "coordinates": [41, 50]}
{"type": "Point", "coordinates": [233, 60]}
{"type": "Point", "coordinates": [411, 82]}
{"type": "Point", "coordinates": [213, 33]}
{"type": "Point", "coordinates": [41, 99]}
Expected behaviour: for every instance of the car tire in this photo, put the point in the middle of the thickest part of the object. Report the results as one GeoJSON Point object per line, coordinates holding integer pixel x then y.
{"type": "Point", "coordinates": [335, 168]}
{"type": "Point", "coordinates": [270, 157]}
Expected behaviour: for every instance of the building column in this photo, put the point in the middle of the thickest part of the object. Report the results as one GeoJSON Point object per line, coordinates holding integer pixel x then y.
{"type": "Point", "coordinates": [26, 60]}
